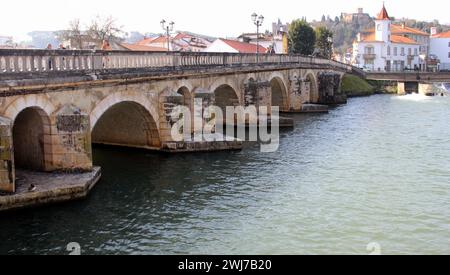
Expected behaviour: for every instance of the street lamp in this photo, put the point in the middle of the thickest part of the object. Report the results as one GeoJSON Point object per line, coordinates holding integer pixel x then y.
{"type": "Point", "coordinates": [258, 20]}
{"type": "Point", "coordinates": [168, 28]}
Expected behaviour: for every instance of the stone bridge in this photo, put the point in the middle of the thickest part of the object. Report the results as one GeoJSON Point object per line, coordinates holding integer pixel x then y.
{"type": "Point", "coordinates": [55, 103]}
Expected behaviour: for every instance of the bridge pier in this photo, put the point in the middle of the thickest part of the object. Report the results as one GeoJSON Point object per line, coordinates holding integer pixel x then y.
{"type": "Point", "coordinates": [401, 88]}
{"type": "Point", "coordinates": [7, 169]}
{"type": "Point", "coordinates": [426, 89]}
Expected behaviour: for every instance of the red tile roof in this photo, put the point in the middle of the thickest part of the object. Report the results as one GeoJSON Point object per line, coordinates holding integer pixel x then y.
{"type": "Point", "coordinates": [181, 35]}
{"type": "Point", "coordinates": [397, 39]}
{"type": "Point", "coordinates": [402, 40]}
{"type": "Point", "coordinates": [402, 29]}
{"type": "Point", "coordinates": [145, 41]}
{"type": "Point", "coordinates": [152, 40]}
{"type": "Point", "coordinates": [242, 47]}
{"type": "Point", "coordinates": [399, 29]}
{"type": "Point", "coordinates": [160, 39]}
{"type": "Point", "coordinates": [142, 48]}
{"type": "Point", "coordinates": [442, 35]}
{"type": "Point", "coordinates": [383, 15]}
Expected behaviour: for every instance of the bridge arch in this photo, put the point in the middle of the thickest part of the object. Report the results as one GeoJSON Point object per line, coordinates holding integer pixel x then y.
{"type": "Point", "coordinates": [314, 87]}
{"type": "Point", "coordinates": [227, 83]}
{"type": "Point", "coordinates": [186, 93]}
{"type": "Point", "coordinates": [224, 96]}
{"type": "Point", "coordinates": [32, 139]}
{"type": "Point", "coordinates": [114, 99]}
{"type": "Point", "coordinates": [279, 92]}
{"type": "Point", "coordinates": [28, 101]}
{"type": "Point", "coordinates": [129, 121]}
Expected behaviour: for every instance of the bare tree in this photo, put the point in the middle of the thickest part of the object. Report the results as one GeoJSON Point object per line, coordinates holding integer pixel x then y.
{"type": "Point", "coordinates": [99, 29]}
{"type": "Point", "coordinates": [105, 29]}
{"type": "Point", "coordinates": [74, 34]}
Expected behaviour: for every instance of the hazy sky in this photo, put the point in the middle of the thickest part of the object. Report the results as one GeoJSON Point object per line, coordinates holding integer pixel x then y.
{"type": "Point", "coordinates": [216, 18]}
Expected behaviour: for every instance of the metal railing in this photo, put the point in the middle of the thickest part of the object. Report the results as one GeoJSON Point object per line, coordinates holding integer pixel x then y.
{"type": "Point", "coordinates": [14, 61]}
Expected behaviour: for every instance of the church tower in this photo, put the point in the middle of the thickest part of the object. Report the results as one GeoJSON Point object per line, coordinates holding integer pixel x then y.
{"type": "Point", "coordinates": [383, 26]}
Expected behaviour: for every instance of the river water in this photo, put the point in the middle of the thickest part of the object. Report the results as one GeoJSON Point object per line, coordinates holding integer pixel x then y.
{"type": "Point", "coordinates": [376, 170]}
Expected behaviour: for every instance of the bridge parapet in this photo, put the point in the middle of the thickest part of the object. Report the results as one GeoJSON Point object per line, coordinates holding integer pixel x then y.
{"type": "Point", "coordinates": [14, 62]}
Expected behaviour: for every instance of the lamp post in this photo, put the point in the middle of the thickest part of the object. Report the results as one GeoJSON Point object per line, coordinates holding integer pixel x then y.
{"type": "Point", "coordinates": [168, 28]}
{"type": "Point", "coordinates": [258, 21]}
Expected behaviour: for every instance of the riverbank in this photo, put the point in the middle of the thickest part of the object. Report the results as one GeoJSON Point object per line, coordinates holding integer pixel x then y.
{"type": "Point", "coordinates": [354, 86]}
{"type": "Point", "coordinates": [49, 188]}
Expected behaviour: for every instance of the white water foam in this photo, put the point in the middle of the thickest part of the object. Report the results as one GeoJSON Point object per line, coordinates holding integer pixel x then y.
{"type": "Point", "coordinates": [414, 97]}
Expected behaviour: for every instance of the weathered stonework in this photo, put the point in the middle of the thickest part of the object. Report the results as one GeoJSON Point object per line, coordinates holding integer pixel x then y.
{"type": "Point", "coordinates": [135, 112]}
{"type": "Point", "coordinates": [72, 150]}
{"type": "Point", "coordinates": [7, 171]}
{"type": "Point", "coordinates": [329, 89]}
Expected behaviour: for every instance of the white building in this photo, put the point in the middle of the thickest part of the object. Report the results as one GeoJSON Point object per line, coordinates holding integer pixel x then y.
{"type": "Point", "coordinates": [273, 43]}
{"type": "Point", "coordinates": [440, 47]}
{"type": "Point", "coordinates": [389, 47]}
{"type": "Point", "coordinates": [233, 46]}
{"type": "Point", "coordinates": [183, 42]}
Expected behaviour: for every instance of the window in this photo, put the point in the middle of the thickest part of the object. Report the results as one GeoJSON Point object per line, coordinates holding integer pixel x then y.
{"type": "Point", "coordinates": [415, 52]}
{"type": "Point", "coordinates": [395, 51]}
{"type": "Point", "coordinates": [369, 50]}
{"type": "Point", "coordinates": [403, 51]}
{"type": "Point", "coordinates": [448, 55]}
{"type": "Point", "coordinates": [449, 44]}
{"type": "Point", "coordinates": [389, 50]}
{"type": "Point", "coordinates": [409, 51]}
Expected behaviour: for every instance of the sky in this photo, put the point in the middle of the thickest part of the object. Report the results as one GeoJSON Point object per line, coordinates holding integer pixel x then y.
{"type": "Point", "coordinates": [226, 18]}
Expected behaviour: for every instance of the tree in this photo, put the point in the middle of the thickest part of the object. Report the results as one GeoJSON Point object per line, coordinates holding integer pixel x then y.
{"type": "Point", "coordinates": [100, 29]}
{"type": "Point", "coordinates": [105, 29]}
{"type": "Point", "coordinates": [324, 42]}
{"type": "Point", "coordinates": [73, 34]}
{"type": "Point", "coordinates": [302, 38]}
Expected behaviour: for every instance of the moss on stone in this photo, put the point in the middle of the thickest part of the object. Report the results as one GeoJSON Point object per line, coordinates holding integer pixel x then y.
{"type": "Point", "coordinates": [384, 87]}
{"type": "Point", "coordinates": [354, 86]}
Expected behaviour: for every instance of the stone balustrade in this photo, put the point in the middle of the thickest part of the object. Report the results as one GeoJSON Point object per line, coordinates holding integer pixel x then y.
{"type": "Point", "coordinates": [14, 61]}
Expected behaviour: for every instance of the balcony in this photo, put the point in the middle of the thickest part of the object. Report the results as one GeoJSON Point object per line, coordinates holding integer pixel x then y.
{"type": "Point", "coordinates": [369, 56]}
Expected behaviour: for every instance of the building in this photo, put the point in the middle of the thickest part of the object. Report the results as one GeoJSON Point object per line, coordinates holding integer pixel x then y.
{"type": "Point", "coordinates": [390, 47]}
{"type": "Point", "coordinates": [140, 48]}
{"type": "Point", "coordinates": [274, 44]}
{"type": "Point", "coordinates": [189, 42]}
{"type": "Point", "coordinates": [82, 42]}
{"type": "Point", "coordinates": [279, 28]}
{"type": "Point", "coordinates": [440, 48]}
{"type": "Point", "coordinates": [182, 41]}
{"type": "Point", "coordinates": [234, 46]}
{"type": "Point", "coordinates": [6, 42]}
{"type": "Point", "coordinates": [359, 17]}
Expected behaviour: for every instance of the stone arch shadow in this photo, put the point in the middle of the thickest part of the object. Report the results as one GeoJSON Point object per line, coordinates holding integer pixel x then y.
{"type": "Point", "coordinates": [127, 121]}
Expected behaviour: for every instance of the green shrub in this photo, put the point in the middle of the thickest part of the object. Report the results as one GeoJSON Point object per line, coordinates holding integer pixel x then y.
{"type": "Point", "coordinates": [354, 86]}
